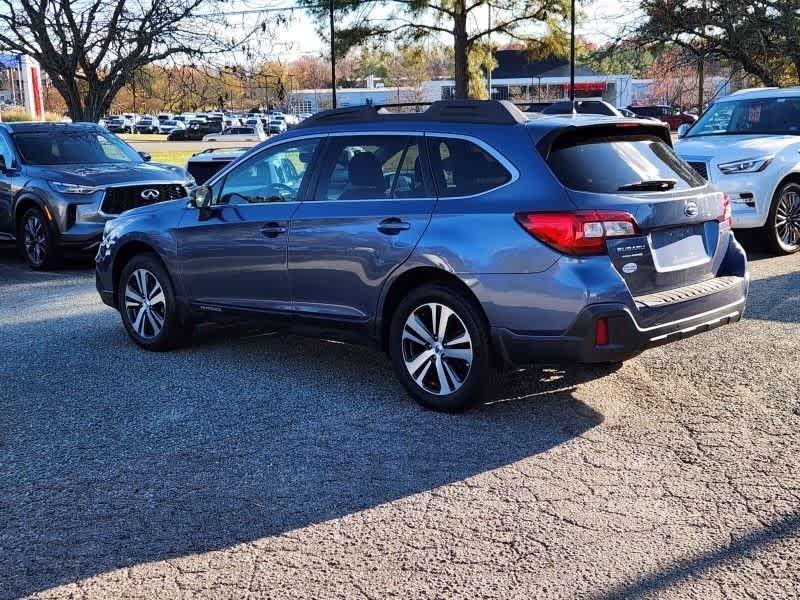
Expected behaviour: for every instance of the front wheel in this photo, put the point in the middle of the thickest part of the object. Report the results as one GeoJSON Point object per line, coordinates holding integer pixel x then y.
{"type": "Point", "coordinates": [37, 240]}
{"type": "Point", "coordinates": [146, 302]}
{"type": "Point", "coordinates": [782, 230]}
{"type": "Point", "coordinates": [440, 349]}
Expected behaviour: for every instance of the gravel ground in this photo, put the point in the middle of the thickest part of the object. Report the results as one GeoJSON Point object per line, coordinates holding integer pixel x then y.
{"type": "Point", "coordinates": [257, 465]}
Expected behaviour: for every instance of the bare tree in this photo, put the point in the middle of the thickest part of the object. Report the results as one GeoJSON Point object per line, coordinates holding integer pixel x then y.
{"type": "Point", "coordinates": [91, 49]}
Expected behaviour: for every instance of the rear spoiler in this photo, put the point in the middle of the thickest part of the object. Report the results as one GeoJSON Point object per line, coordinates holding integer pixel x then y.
{"type": "Point", "coordinates": [574, 134]}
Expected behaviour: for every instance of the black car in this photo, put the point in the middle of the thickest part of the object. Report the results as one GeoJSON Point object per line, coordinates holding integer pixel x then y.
{"type": "Point", "coordinates": [207, 163]}
{"type": "Point", "coordinates": [61, 182]}
{"type": "Point", "coordinates": [195, 131]}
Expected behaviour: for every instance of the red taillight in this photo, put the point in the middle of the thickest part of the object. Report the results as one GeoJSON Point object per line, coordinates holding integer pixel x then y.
{"type": "Point", "coordinates": [601, 332]}
{"type": "Point", "coordinates": [726, 216]}
{"type": "Point", "coordinates": [580, 233]}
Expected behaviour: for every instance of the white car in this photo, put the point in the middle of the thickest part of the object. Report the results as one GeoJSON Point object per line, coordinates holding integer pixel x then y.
{"type": "Point", "coordinates": [171, 125]}
{"type": "Point", "coordinates": [237, 134]}
{"type": "Point", "coordinates": [748, 145]}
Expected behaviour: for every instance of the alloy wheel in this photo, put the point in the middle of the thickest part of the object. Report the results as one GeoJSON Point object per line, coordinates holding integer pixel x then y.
{"type": "Point", "coordinates": [145, 303]}
{"type": "Point", "coordinates": [787, 219]}
{"type": "Point", "coordinates": [437, 349]}
{"type": "Point", "coordinates": [35, 239]}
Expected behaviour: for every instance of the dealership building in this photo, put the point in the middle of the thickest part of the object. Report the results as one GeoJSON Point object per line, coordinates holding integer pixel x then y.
{"type": "Point", "coordinates": [21, 84]}
{"type": "Point", "coordinates": [516, 78]}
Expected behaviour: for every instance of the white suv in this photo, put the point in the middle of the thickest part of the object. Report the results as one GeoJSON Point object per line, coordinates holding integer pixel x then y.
{"type": "Point", "coordinates": [748, 144]}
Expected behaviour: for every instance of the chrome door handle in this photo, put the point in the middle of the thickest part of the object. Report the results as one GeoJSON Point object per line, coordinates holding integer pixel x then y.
{"type": "Point", "coordinates": [272, 230]}
{"type": "Point", "coordinates": [393, 226]}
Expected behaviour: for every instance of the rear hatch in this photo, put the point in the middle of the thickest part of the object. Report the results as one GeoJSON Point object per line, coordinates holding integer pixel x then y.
{"type": "Point", "coordinates": [629, 167]}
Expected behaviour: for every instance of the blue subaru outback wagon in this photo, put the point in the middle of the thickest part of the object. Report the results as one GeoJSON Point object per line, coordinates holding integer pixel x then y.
{"type": "Point", "coordinates": [461, 239]}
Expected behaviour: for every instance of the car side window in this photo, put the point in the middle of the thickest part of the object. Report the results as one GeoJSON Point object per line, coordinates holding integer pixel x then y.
{"type": "Point", "coordinates": [273, 175]}
{"type": "Point", "coordinates": [371, 167]}
{"type": "Point", "coordinates": [462, 168]}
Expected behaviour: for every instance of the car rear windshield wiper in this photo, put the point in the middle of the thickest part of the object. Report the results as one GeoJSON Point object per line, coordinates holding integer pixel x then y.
{"type": "Point", "coordinates": [655, 185]}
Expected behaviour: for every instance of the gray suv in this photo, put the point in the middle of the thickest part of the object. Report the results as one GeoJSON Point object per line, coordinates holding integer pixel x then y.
{"type": "Point", "coordinates": [60, 183]}
{"type": "Point", "coordinates": [460, 239]}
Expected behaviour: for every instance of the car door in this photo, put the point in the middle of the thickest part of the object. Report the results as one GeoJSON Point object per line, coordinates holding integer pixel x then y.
{"type": "Point", "coordinates": [372, 201]}
{"type": "Point", "coordinates": [6, 189]}
{"type": "Point", "coordinates": [236, 258]}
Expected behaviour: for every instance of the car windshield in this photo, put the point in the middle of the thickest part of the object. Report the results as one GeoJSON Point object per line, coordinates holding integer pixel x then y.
{"type": "Point", "coordinates": [72, 147]}
{"type": "Point", "coordinates": [758, 116]}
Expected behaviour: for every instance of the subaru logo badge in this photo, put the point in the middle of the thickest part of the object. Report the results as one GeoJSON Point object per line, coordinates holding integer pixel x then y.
{"type": "Point", "coordinates": [149, 194]}
{"type": "Point", "coordinates": [691, 210]}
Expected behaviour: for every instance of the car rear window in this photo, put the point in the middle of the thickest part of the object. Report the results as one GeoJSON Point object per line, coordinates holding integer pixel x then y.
{"type": "Point", "coordinates": [607, 164]}
{"type": "Point", "coordinates": [462, 168]}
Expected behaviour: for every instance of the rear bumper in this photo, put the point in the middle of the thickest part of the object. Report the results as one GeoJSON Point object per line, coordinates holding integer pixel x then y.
{"type": "Point", "coordinates": [627, 336]}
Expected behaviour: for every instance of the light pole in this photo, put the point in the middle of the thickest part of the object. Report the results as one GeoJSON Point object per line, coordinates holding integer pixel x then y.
{"type": "Point", "coordinates": [572, 57]}
{"type": "Point", "coordinates": [333, 58]}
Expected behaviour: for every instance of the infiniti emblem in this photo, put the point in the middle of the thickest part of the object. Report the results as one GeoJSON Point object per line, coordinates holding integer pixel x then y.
{"type": "Point", "coordinates": [691, 210]}
{"type": "Point", "coordinates": [149, 194]}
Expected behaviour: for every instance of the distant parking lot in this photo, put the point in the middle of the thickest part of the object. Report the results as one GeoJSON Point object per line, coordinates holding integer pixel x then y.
{"type": "Point", "coordinates": [249, 460]}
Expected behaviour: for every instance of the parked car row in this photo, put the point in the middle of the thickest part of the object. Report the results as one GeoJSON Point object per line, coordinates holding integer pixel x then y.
{"type": "Point", "coordinates": [211, 122]}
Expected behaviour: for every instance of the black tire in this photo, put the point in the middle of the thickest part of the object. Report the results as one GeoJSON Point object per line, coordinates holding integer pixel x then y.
{"type": "Point", "coordinates": [469, 379]}
{"type": "Point", "coordinates": [36, 239]}
{"type": "Point", "coordinates": [770, 234]}
{"type": "Point", "coordinates": [163, 312]}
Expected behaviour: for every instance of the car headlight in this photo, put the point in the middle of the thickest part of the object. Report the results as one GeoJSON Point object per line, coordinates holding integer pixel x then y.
{"type": "Point", "coordinates": [748, 165]}
{"type": "Point", "coordinates": [72, 188]}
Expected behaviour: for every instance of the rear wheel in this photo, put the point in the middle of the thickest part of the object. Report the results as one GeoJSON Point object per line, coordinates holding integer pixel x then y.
{"type": "Point", "coordinates": [439, 345]}
{"type": "Point", "coordinates": [37, 240]}
{"type": "Point", "coordinates": [146, 302]}
{"type": "Point", "coordinates": [782, 230]}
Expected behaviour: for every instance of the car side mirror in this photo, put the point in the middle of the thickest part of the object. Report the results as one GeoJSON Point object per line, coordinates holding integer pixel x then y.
{"type": "Point", "coordinates": [145, 156]}
{"type": "Point", "coordinates": [683, 129]}
{"type": "Point", "coordinates": [202, 199]}
{"type": "Point", "coordinates": [3, 165]}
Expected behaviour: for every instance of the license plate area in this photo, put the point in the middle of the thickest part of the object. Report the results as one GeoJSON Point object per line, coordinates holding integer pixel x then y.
{"type": "Point", "coordinates": [679, 248]}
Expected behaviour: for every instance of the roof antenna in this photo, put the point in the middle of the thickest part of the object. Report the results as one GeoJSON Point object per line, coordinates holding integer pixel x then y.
{"type": "Point", "coordinates": [572, 59]}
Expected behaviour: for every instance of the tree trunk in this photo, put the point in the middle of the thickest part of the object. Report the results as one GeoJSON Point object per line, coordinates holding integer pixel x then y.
{"type": "Point", "coordinates": [461, 67]}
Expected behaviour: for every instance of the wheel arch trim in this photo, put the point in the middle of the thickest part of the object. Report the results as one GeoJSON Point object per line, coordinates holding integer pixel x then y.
{"type": "Point", "coordinates": [414, 276]}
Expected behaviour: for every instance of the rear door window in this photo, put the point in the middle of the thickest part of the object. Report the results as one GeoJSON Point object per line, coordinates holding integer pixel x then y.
{"type": "Point", "coordinates": [373, 167]}
{"type": "Point", "coordinates": [462, 168]}
{"type": "Point", "coordinates": [615, 164]}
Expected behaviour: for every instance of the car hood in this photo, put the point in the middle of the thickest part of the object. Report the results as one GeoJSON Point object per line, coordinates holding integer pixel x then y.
{"type": "Point", "coordinates": [733, 147]}
{"type": "Point", "coordinates": [113, 173]}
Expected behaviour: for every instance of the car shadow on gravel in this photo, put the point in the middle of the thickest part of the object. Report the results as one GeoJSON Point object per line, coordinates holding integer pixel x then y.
{"type": "Point", "coordinates": [111, 456]}
{"type": "Point", "coordinates": [782, 529]}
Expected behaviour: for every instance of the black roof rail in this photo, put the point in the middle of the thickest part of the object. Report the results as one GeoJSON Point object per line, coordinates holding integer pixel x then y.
{"type": "Point", "coordinates": [490, 112]}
